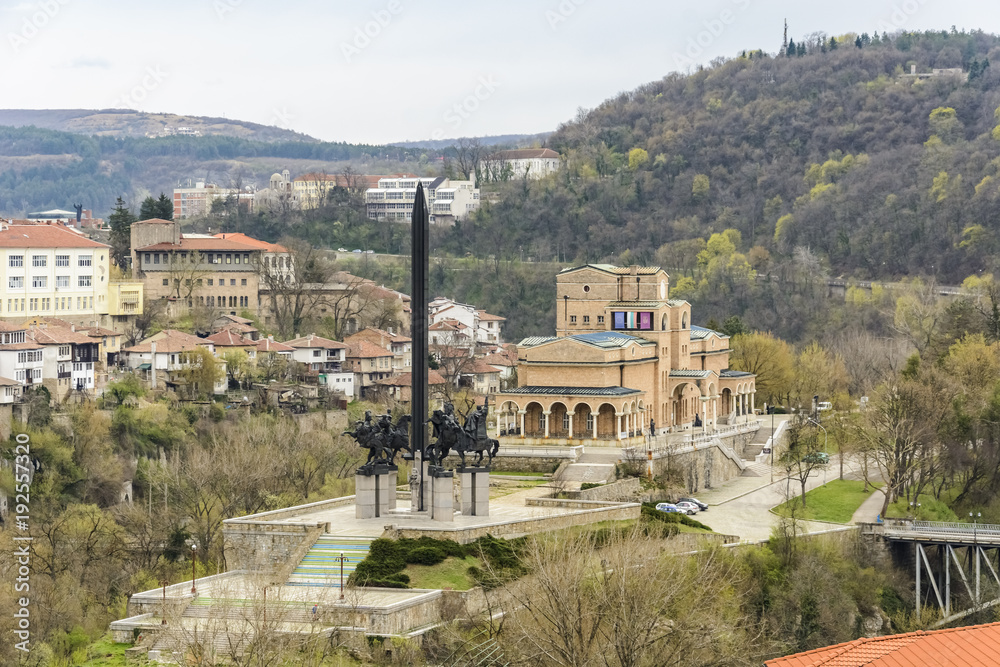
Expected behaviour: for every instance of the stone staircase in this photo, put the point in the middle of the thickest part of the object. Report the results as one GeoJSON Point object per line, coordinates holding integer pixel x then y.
{"type": "Point", "coordinates": [756, 470]}
{"type": "Point", "coordinates": [321, 564]}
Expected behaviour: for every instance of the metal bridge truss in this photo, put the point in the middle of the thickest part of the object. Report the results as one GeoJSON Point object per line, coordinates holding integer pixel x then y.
{"type": "Point", "coordinates": [970, 561]}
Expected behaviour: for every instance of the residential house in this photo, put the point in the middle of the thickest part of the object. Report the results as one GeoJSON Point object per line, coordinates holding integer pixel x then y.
{"type": "Point", "coordinates": [325, 360]}
{"type": "Point", "coordinates": [240, 325]}
{"type": "Point", "coordinates": [54, 271]}
{"type": "Point", "coordinates": [314, 188]}
{"type": "Point", "coordinates": [228, 340]}
{"type": "Point", "coordinates": [161, 357]}
{"type": "Point", "coordinates": [369, 363]}
{"type": "Point", "coordinates": [504, 361]}
{"type": "Point", "coordinates": [465, 322]}
{"type": "Point", "coordinates": [400, 387]}
{"type": "Point", "coordinates": [68, 359]}
{"type": "Point", "coordinates": [10, 392]}
{"type": "Point", "coordinates": [398, 344]}
{"type": "Point", "coordinates": [480, 377]}
{"type": "Point", "coordinates": [274, 361]}
{"type": "Point", "coordinates": [21, 359]}
{"type": "Point", "coordinates": [488, 329]}
{"type": "Point", "coordinates": [528, 163]}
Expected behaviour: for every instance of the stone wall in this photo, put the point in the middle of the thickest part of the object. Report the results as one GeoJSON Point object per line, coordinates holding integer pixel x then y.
{"type": "Point", "coordinates": [324, 420]}
{"type": "Point", "coordinates": [503, 463]}
{"type": "Point", "coordinates": [393, 619]}
{"type": "Point", "coordinates": [590, 512]}
{"type": "Point", "coordinates": [620, 491]}
{"type": "Point", "coordinates": [261, 546]}
{"type": "Point", "coordinates": [700, 469]}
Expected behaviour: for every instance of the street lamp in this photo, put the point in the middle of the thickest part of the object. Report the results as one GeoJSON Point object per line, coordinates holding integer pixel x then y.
{"type": "Point", "coordinates": [194, 559]}
{"type": "Point", "coordinates": [975, 520]}
{"type": "Point", "coordinates": [914, 510]}
{"type": "Point", "coordinates": [164, 582]}
{"type": "Point", "coordinates": [341, 558]}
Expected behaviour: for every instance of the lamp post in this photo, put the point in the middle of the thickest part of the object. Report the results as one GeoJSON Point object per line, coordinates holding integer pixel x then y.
{"type": "Point", "coordinates": [975, 520]}
{"type": "Point", "coordinates": [341, 575]}
{"type": "Point", "coordinates": [164, 582]}
{"type": "Point", "coordinates": [194, 559]}
{"type": "Point", "coordinates": [914, 510]}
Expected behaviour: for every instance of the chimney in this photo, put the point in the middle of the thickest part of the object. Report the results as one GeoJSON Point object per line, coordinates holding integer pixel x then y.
{"type": "Point", "coordinates": [633, 270]}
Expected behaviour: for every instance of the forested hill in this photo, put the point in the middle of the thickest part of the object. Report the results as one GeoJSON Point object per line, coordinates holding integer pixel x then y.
{"type": "Point", "coordinates": [835, 149]}
{"type": "Point", "coordinates": [41, 168]}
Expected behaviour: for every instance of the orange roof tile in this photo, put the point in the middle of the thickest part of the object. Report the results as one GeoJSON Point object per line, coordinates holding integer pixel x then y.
{"type": "Point", "coordinates": [312, 340]}
{"type": "Point", "coordinates": [970, 646]}
{"type": "Point", "coordinates": [362, 349]}
{"type": "Point", "coordinates": [268, 345]}
{"type": "Point", "coordinates": [44, 236]}
{"type": "Point", "coordinates": [229, 338]}
{"type": "Point", "coordinates": [479, 367]}
{"type": "Point", "coordinates": [53, 335]}
{"type": "Point", "coordinates": [169, 341]}
{"type": "Point", "coordinates": [406, 379]}
{"type": "Point", "coordinates": [240, 237]}
{"type": "Point", "coordinates": [212, 244]}
{"type": "Point", "coordinates": [487, 317]}
{"type": "Point", "coordinates": [496, 359]}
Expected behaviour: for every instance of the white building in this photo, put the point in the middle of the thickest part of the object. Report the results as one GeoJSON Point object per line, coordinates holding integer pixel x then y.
{"type": "Point", "coordinates": [462, 320]}
{"type": "Point", "coordinates": [531, 163]}
{"type": "Point", "coordinates": [447, 200]}
{"type": "Point", "coordinates": [164, 354]}
{"type": "Point", "coordinates": [21, 359]}
{"type": "Point", "coordinates": [325, 358]}
{"type": "Point", "coordinates": [53, 271]}
{"type": "Point", "coordinates": [68, 358]}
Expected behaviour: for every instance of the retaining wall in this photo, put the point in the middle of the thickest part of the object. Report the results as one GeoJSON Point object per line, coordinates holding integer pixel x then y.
{"type": "Point", "coordinates": [620, 491]}
{"type": "Point", "coordinates": [261, 546]}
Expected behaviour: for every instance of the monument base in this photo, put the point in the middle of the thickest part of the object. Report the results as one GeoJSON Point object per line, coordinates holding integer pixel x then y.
{"type": "Point", "coordinates": [442, 486]}
{"type": "Point", "coordinates": [374, 490]}
{"type": "Point", "coordinates": [475, 487]}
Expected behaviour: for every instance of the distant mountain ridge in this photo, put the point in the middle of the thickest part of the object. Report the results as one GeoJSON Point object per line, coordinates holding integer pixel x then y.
{"type": "Point", "coordinates": [132, 123]}
{"type": "Point", "coordinates": [514, 140]}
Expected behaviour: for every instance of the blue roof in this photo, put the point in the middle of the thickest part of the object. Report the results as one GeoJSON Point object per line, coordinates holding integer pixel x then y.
{"type": "Point", "coordinates": [602, 339]}
{"type": "Point", "coordinates": [697, 333]}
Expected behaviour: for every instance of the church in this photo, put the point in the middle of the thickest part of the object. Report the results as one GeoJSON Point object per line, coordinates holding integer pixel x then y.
{"type": "Point", "coordinates": [625, 362]}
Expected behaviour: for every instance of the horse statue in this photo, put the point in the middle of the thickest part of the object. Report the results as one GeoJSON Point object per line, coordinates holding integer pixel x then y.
{"type": "Point", "coordinates": [446, 431]}
{"type": "Point", "coordinates": [470, 437]}
{"type": "Point", "coordinates": [398, 438]}
{"type": "Point", "coordinates": [369, 435]}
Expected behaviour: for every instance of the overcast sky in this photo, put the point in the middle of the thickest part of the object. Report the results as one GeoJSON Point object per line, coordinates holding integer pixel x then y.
{"type": "Point", "coordinates": [378, 71]}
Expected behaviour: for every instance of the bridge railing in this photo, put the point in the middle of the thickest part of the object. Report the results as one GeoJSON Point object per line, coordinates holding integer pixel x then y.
{"type": "Point", "coordinates": [950, 528]}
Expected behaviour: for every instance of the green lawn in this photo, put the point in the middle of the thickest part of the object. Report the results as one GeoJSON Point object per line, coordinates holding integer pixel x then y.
{"type": "Point", "coordinates": [450, 573]}
{"type": "Point", "coordinates": [102, 653]}
{"type": "Point", "coordinates": [930, 509]}
{"type": "Point", "coordinates": [835, 502]}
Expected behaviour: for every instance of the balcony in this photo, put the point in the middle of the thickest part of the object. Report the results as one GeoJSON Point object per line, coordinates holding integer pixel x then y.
{"type": "Point", "coordinates": [125, 297]}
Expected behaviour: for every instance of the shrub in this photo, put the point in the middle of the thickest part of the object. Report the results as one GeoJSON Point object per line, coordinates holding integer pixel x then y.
{"type": "Point", "coordinates": [589, 485]}
{"type": "Point", "coordinates": [384, 560]}
{"type": "Point", "coordinates": [426, 556]}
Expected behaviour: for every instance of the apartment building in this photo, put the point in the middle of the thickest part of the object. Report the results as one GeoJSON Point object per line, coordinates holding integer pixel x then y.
{"type": "Point", "coordinates": [53, 271]}
{"type": "Point", "coordinates": [21, 359]}
{"type": "Point", "coordinates": [454, 323]}
{"type": "Point", "coordinates": [447, 200]}
{"type": "Point", "coordinates": [530, 163]}
{"type": "Point", "coordinates": [326, 360]}
{"type": "Point", "coordinates": [69, 358]}
{"type": "Point", "coordinates": [196, 202]}
{"type": "Point", "coordinates": [221, 272]}
{"type": "Point", "coordinates": [398, 344]}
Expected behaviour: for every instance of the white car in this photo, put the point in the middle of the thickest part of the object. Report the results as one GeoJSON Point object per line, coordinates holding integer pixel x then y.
{"type": "Point", "coordinates": [688, 508]}
{"type": "Point", "coordinates": [825, 405]}
{"type": "Point", "coordinates": [341, 249]}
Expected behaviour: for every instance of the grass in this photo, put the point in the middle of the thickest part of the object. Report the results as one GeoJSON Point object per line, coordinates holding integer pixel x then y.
{"type": "Point", "coordinates": [103, 653]}
{"type": "Point", "coordinates": [835, 502]}
{"type": "Point", "coordinates": [450, 573]}
{"type": "Point", "coordinates": [519, 474]}
{"type": "Point", "coordinates": [930, 509]}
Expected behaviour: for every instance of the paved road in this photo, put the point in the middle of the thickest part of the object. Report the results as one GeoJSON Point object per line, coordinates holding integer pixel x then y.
{"type": "Point", "coordinates": [749, 515]}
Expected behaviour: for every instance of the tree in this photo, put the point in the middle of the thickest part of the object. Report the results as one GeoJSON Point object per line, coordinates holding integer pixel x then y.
{"type": "Point", "coordinates": [637, 158]}
{"type": "Point", "coordinates": [769, 358]}
{"type": "Point", "coordinates": [120, 221]}
{"type": "Point", "coordinates": [141, 326]}
{"type": "Point", "coordinates": [296, 294]}
{"type": "Point", "coordinates": [199, 373]}
{"type": "Point", "coordinates": [805, 452]}
{"type": "Point", "coordinates": [161, 208]}
{"type": "Point", "coordinates": [239, 368]}
{"type": "Point", "coordinates": [469, 153]}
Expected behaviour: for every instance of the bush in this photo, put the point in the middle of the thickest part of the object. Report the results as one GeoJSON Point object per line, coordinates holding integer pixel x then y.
{"type": "Point", "coordinates": [426, 556]}
{"type": "Point", "coordinates": [217, 412]}
{"type": "Point", "coordinates": [589, 485]}
{"type": "Point", "coordinates": [384, 560]}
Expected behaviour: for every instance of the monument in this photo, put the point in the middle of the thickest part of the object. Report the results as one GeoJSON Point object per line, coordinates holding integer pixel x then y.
{"type": "Point", "coordinates": [375, 481]}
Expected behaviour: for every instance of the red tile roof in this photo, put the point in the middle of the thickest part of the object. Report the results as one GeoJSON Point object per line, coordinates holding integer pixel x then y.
{"type": "Point", "coordinates": [479, 367]}
{"type": "Point", "coordinates": [499, 360]}
{"type": "Point", "coordinates": [487, 317]}
{"type": "Point", "coordinates": [44, 236]}
{"type": "Point", "coordinates": [970, 646]}
{"type": "Point", "coordinates": [240, 237]}
{"type": "Point", "coordinates": [268, 345]}
{"type": "Point", "coordinates": [229, 338]}
{"type": "Point", "coordinates": [312, 340]}
{"type": "Point", "coordinates": [528, 153]}
{"type": "Point", "coordinates": [362, 349]}
{"type": "Point", "coordinates": [170, 341]}
{"type": "Point", "coordinates": [406, 379]}
{"type": "Point", "coordinates": [377, 336]}
{"type": "Point", "coordinates": [53, 335]}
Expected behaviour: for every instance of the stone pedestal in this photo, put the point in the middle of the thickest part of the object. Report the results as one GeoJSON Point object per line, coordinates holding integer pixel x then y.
{"type": "Point", "coordinates": [442, 504]}
{"type": "Point", "coordinates": [374, 491]}
{"type": "Point", "coordinates": [475, 486]}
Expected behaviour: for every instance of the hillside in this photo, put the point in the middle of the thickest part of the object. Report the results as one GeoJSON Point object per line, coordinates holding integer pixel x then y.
{"type": "Point", "coordinates": [131, 123]}
{"type": "Point", "coordinates": [41, 168]}
{"type": "Point", "coordinates": [512, 140]}
{"type": "Point", "coordinates": [835, 156]}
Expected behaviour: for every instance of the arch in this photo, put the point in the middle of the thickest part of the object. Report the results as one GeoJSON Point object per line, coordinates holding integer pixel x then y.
{"type": "Point", "coordinates": [684, 320]}
{"type": "Point", "coordinates": [583, 424]}
{"type": "Point", "coordinates": [508, 406]}
{"type": "Point", "coordinates": [665, 323]}
{"type": "Point", "coordinates": [607, 421]}
{"type": "Point", "coordinates": [557, 420]}
{"type": "Point", "coordinates": [727, 401]}
{"type": "Point", "coordinates": [711, 389]}
{"type": "Point", "coordinates": [534, 426]}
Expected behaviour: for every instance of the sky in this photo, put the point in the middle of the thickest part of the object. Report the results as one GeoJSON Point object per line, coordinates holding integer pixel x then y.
{"type": "Point", "coordinates": [381, 71]}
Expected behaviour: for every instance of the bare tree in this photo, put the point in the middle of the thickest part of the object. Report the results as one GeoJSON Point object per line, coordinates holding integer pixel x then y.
{"type": "Point", "coordinates": [294, 293]}
{"type": "Point", "coordinates": [143, 324]}
{"type": "Point", "coordinates": [469, 152]}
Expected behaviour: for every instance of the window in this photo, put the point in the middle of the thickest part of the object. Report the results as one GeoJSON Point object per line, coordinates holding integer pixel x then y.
{"type": "Point", "coordinates": [572, 319]}
{"type": "Point", "coordinates": [33, 304]}
{"type": "Point", "coordinates": [165, 282]}
{"type": "Point", "coordinates": [39, 260]}
{"type": "Point", "coordinates": [232, 282]}
{"type": "Point", "coordinates": [211, 282]}
{"type": "Point", "coordinates": [243, 282]}
{"type": "Point", "coordinates": [229, 258]}
{"type": "Point", "coordinates": [199, 282]}
{"type": "Point", "coordinates": [62, 260]}
{"type": "Point", "coordinates": [590, 422]}
{"type": "Point", "coordinates": [15, 282]}
{"type": "Point", "coordinates": [148, 259]}
{"type": "Point", "coordinates": [84, 281]}
{"type": "Point", "coordinates": [586, 319]}
{"type": "Point", "coordinates": [62, 281]}
{"type": "Point", "coordinates": [237, 259]}
{"type": "Point", "coordinates": [541, 422]}
{"type": "Point", "coordinates": [566, 421]}
{"type": "Point", "coordinates": [246, 258]}
{"type": "Point", "coordinates": [156, 258]}
{"type": "Point", "coordinates": [85, 260]}
{"type": "Point", "coordinates": [15, 261]}
{"type": "Point", "coordinates": [39, 281]}
{"type": "Point", "coordinates": [64, 350]}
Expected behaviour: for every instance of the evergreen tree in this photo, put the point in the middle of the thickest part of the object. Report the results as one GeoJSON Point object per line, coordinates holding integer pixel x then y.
{"type": "Point", "coordinates": [147, 210]}
{"type": "Point", "coordinates": [791, 48]}
{"type": "Point", "coordinates": [161, 208]}
{"type": "Point", "coordinates": [800, 49]}
{"type": "Point", "coordinates": [120, 221]}
{"type": "Point", "coordinates": [857, 41]}
{"type": "Point", "coordinates": [833, 43]}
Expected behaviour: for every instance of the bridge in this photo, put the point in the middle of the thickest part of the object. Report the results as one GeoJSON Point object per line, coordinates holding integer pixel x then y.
{"type": "Point", "coordinates": [969, 553]}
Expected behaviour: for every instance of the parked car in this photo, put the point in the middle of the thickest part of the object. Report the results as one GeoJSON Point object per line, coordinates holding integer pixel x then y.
{"type": "Point", "coordinates": [820, 458]}
{"type": "Point", "coordinates": [685, 506]}
{"type": "Point", "coordinates": [369, 252]}
{"type": "Point", "coordinates": [357, 250]}
{"type": "Point", "coordinates": [341, 249]}
{"type": "Point", "coordinates": [669, 507]}
{"type": "Point", "coordinates": [702, 506]}
{"type": "Point", "coordinates": [825, 405]}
